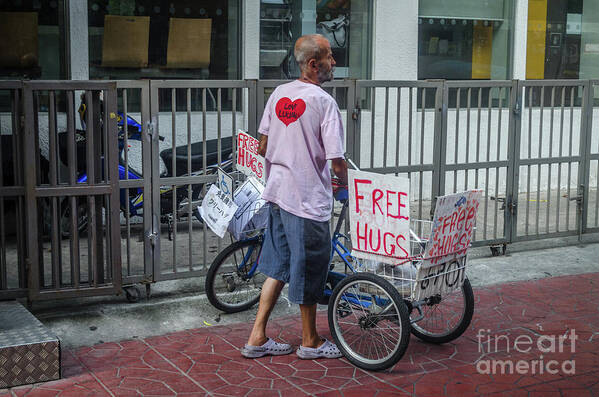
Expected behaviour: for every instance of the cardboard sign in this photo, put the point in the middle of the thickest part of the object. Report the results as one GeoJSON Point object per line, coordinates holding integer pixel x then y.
{"type": "Point", "coordinates": [453, 224]}
{"type": "Point", "coordinates": [125, 42]}
{"type": "Point", "coordinates": [252, 212]}
{"type": "Point", "coordinates": [189, 43]}
{"type": "Point", "coordinates": [225, 183]}
{"type": "Point", "coordinates": [19, 44]}
{"type": "Point", "coordinates": [248, 160]}
{"type": "Point", "coordinates": [217, 209]}
{"type": "Point", "coordinates": [379, 213]}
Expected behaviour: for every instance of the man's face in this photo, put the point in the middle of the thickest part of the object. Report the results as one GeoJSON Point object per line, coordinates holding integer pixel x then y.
{"type": "Point", "coordinates": [326, 64]}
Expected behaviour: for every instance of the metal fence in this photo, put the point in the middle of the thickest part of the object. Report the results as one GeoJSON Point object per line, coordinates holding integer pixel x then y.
{"type": "Point", "coordinates": [531, 146]}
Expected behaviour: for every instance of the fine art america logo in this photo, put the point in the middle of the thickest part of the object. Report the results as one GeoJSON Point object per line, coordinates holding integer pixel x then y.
{"type": "Point", "coordinates": [545, 345]}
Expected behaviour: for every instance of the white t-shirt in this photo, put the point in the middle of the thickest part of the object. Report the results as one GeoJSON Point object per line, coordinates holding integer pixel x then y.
{"type": "Point", "coordinates": [304, 129]}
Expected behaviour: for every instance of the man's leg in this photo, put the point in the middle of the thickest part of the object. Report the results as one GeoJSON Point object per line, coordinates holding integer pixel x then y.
{"type": "Point", "coordinates": [268, 298]}
{"type": "Point", "coordinates": [310, 337]}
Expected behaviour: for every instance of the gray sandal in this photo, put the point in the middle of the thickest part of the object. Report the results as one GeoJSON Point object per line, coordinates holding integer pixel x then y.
{"type": "Point", "coordinates": [327, 350]}
{"type": "Point", "coordinates": [270, 348]}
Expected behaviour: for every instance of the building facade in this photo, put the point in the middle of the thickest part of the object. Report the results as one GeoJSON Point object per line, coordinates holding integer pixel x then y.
{"type": "Point", "coordinates": [253, 39]}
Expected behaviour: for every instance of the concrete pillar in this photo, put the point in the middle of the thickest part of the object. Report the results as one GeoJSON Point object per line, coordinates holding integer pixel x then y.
{"type": "Point", "coordinates": [519, 39]}
{"type": "Point", "coordinates": [251, 39]}
{"type": "Point", "coordinates": [78, 41]}
{"type": "Point", "coordinates": [395, 40]}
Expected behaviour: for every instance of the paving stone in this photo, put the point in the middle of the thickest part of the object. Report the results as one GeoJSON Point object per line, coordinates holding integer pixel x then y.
{"type": "Point", "coordinates": [207, 361]}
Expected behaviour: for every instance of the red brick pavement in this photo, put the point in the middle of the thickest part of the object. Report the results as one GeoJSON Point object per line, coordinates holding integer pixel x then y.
{"type": "Point", "coordinates": [206, 361]}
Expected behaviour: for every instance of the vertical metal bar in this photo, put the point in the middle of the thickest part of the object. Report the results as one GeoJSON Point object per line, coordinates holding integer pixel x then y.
{"type": "Point", "coordinates": [189, 187]}
{"type": "Point", "coordinates": [204, 165]}
{"type": "Point", "coordinates": [17, 112]}
{"type": "Point", "coordinates": [570, 155]}
{"type": "Point", "coordinates": [71, 153]}
{"type": "Point", "coordinates": [539, 167]}
{"type": "Point", "coordinates": [113, 232]}
{"type": "Point", "coordinates": [585, 152]}
{"type": "Point", "coordinates": [488, 158]}
{"type": "Point", "coordinates": [420, 173]}
{"type": "Point", "coordinates": [127, 201]}
{"type": "Point", "coordinates": [550, 166]}
{"type": "Point", "coordinates": [397, 127]}
{"type": "Point", "coordinates": [457, 134]}
{"type": "Point", "coordinates": [54, 238]}
{"type": "Point", "coordinates": [478, 117]}
{"type": "Point", "coordinates": [372, 117]}
{"type": "Point", "coordinates": [219, 144]}
{"type": "Point", "coordinates": [529, 167]}
{"type": "Point", "coordinates": [410, 125]}
{"type": "Point", "coordinates": [152, 189]}
{"type": "Point", "coordinates": [146, 147]}
{"type": "Point", "coordinates": [498, 149]}
{"type": "Point", "coordinates": [353, 119]}
{"type": "Point", "coordinates": [510, 224]}
{"type": "Point", "coordinates": [386, 126]}
{"type": "Point", "coordinates": [91, 177]}
{"type": "Point", "coordinates": [561, 153]}
{"type": "Point", "coordinates": [439, 144]}
{"type": "Point", "coordinates": [467, 137]}
{"type": "Point", "coordinates": [30, 195]}
{"type": "Point", "coordinates": [174, 167]}
{"type": "Point", "coordinates": [234, 126]}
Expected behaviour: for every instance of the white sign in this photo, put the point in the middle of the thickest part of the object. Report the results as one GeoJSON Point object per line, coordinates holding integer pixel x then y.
{"type": "Point", "coordinates": [251, 213]}
{"type": "Point", "coordinates": [453, 226]}
{"type": "Point", "coordinates": [379, 209]}
{"type": "Point", "coordinates": [217, 209]}
{"type": "Point", "coordinates": [225, 183]}
{"type": "Point", "coordinates": [440, 279]}
{"type": "Point", "coordinates": [248, 160]}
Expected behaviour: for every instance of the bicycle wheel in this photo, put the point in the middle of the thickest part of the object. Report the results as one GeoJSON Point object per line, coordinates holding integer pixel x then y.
{"type": "Point", "coordinates": [446, 317]}
{"type": "Point", "coordinates": [369, 321]}
{"type": "Point", "coordinates": [230, 284]}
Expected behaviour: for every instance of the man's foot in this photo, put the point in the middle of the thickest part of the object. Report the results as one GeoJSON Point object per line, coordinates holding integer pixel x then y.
{"type": "Point", "coordinates": [327, 350]}
{"type": "Point", "coordinates": [270, 348]}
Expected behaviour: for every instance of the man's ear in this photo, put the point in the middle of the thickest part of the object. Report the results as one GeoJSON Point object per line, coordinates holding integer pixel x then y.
{"type": "Point", "coordinates": [312, 63]}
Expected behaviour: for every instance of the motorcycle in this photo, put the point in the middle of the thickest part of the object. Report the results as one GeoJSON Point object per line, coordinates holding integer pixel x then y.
{"type": "Point", "coordinates": [133, 202]}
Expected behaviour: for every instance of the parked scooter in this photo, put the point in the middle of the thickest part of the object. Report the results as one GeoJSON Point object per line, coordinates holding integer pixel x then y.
{"type": "Point", "coordinates": [133, 202]}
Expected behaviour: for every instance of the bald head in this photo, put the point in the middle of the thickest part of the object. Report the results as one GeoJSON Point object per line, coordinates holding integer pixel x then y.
{"type": "Point", "coordinates": [311, 46]}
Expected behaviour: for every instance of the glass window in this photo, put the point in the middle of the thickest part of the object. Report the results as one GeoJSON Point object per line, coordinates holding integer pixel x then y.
{"type": "Point", "coordinates": [32, 44]}
{"type": "Point", "coordinates": [464, 39]}
{"type": "Point", "coordinates": [346, 23]}
{"type": "Point", "coordinates": [563, 40]}
{"type": "Point", "coordinates": [196, 39]}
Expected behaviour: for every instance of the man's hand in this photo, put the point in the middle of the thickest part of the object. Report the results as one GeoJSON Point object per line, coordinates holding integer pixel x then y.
{"type": "Point", "coordinates": [262, 145]}
{"type": "Point", "coordinates": [340, 169]}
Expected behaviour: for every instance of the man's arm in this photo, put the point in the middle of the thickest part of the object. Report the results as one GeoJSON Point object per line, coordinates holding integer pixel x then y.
{"type": "Point", "coordinates": [262, 145]}
{"type": "Point", "coordinates": [340, 169]}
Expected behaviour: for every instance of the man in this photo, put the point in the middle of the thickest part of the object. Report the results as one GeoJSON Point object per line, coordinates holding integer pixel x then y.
{"type": "Point", "coordinates": [301, 130]}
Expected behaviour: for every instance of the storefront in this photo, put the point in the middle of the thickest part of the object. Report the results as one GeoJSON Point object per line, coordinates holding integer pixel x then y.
{"type": "Point", "coordinates": [253, 39]}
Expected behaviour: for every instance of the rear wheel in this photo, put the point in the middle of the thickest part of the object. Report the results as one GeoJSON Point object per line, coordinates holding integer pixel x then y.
{"type": "Point", "coordinates": [369, 321]}
{"type": "Point", "coordinates": [446, 317]}
{"type": "Point", "coordinates": [232, 283]}
{"type": "Point", "coordinates": [65, 218]}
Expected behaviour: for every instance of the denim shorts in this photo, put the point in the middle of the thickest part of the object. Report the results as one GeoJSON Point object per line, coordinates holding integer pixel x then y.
{"type": "Point", "coordinates": [296, 251]}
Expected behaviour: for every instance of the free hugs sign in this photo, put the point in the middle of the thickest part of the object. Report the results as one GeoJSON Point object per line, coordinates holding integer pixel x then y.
{"type": "Point", "coordinates": [379, 215]}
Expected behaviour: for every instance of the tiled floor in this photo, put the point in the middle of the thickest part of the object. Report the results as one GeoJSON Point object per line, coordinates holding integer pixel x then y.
{"type": "Point", "coordinates": [206, 361]}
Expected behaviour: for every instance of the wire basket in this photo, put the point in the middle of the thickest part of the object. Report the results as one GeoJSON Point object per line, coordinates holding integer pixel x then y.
{"type": "Point", "coordinates": [409, 277]}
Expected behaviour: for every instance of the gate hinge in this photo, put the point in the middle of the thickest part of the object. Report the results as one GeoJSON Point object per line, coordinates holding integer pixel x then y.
{"type": "Point", "coordinates": [151, 129]}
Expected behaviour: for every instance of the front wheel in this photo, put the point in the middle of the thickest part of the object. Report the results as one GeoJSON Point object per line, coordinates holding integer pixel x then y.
{"type": "Point", "coordinates": [369, 321]}
{"type": "Point", "coordinates": [446, 317]}
{"type": "Point", "coordinates": [233, 284]}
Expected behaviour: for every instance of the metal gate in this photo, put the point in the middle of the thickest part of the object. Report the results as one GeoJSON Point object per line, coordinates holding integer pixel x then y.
{"type": "Point", "coordinates": [191, 117]}
{"type": "Point", "coordinates": [13, 282]}
{"type": "Point", "coordinates": [475, 153]}
{"type": "Point", "coordinates": [550, 151]}
{"type": "Point", "coordinates": [61, 203]}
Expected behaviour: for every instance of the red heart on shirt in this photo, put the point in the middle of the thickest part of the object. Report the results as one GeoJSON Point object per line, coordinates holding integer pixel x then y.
{"type": "Point", "coordinates": [288, 111]}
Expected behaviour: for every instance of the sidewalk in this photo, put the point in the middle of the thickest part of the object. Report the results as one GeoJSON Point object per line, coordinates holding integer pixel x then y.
{"type": "Point", "coordinates": [206, 361]}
